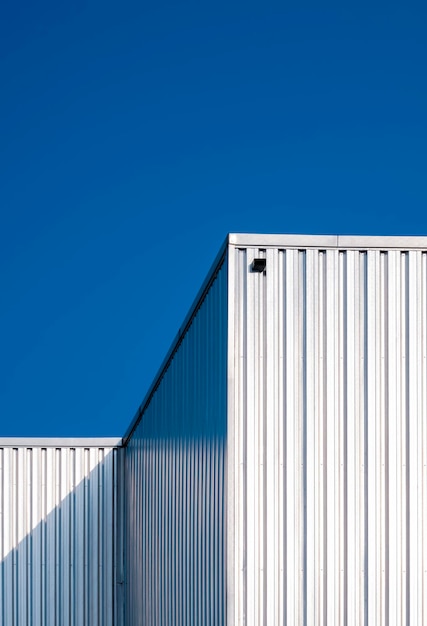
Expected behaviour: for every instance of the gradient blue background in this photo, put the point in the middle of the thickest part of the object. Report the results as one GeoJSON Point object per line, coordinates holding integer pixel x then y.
{"type": "Point", "coordinates": [135, 136]}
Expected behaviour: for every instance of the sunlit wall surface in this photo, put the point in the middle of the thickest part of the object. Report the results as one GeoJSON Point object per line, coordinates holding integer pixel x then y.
{"type": "Point", "coordinates": [329, 416]}
{"type": "Point", "coordinates": [59, 543]}
{"type": "Point", "coordinates": [175, 481]}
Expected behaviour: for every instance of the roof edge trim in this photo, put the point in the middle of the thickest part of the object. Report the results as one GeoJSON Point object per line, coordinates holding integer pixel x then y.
{"type": "Point", "coordinates": [328, 241]}
{"type": "Point", "coordinates": [61, 442]}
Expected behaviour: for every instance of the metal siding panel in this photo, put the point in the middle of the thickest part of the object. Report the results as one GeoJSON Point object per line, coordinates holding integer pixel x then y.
{"type": "Point", "coordinates": [311, 347]}
{"type": "Point", "coordinates": [118, 536]}
{"type": "Point", "coordinates": [271, 556]}
{"type": "Point", "coordinates": [415, 421]}
{"type": "Point", "coordinates": [36, 568]}
{"type": "Point", "coordinates": [291, 449]}
{"type": "Point", "coordinates": [423, 421]}
{"type": "Point", "coordinates": [2, 526]}
{"type": "Point", "coordinates": [175, 473]}
{"type": "Point", "coordinates": [44, 537]}
{"type": "Point", "coordinates": [327, 418]}
{"type": "Point", "coordinates": [79, 557]}
{"type": "Point", "coordinates": [6, 564]}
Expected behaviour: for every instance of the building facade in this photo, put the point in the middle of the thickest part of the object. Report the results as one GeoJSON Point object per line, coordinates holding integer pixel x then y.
{"type": "Point", "coordinates": [276, 472]}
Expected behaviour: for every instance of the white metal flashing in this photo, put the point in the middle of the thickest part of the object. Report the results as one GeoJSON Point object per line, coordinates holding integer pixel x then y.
{"type": "Point", "coordinates": [327, 241]}
{"type": "Point", "coordinates": [61, 442]}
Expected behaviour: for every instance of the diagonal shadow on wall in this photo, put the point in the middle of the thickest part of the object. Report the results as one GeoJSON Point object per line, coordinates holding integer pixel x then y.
{"type": "Point", "coordinates": [61, 543]}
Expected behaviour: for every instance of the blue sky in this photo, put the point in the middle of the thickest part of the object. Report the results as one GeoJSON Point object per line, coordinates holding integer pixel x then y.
{"type": "Point", "coordinates": [134, 136]}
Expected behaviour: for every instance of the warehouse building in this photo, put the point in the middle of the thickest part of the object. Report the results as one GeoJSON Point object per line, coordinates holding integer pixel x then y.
{"type": "Point", "coordinates": [276, 472]}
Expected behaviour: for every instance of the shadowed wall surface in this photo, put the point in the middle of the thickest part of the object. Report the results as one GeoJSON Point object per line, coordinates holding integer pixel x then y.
{"type": "Point", "coordinates": [175, 481]}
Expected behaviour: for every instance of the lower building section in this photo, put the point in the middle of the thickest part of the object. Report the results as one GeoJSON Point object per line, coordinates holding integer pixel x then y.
{"type": "Point", "coordinates": [60, 547]}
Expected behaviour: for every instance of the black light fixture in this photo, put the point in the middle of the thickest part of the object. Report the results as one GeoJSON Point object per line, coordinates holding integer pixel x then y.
{"type": "Point", "coordinates": [258, 265]}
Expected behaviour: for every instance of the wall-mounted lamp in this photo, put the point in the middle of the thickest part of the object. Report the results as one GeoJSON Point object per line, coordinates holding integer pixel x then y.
{"type": "Point", "coordinates": [258, 265]}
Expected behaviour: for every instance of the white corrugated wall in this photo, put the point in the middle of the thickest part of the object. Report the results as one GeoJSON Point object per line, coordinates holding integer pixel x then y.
{"type": "Point", "coordinates": [328, 432]}
{"type": "Point", "coordinates": [60, 536]}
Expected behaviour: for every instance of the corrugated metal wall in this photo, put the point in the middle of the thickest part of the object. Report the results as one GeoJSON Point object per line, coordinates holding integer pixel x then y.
{"type": "Point", "coordinates": [175, 481]}
{"type": "Point", "coordinates": [329, 400]}
{"type": "Point", "coordinates": [59, 543]}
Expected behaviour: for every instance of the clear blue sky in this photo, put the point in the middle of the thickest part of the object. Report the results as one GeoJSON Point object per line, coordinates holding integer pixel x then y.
{"type": "Point", "coordinates": [134, 136]}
